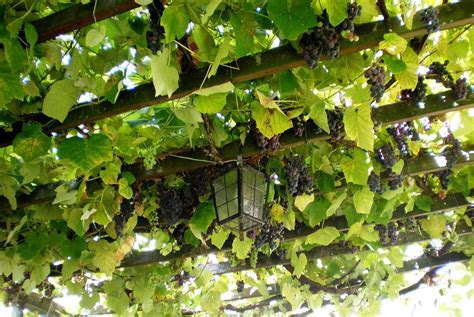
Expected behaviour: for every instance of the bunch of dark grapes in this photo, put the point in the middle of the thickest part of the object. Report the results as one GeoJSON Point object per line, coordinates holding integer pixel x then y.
{"type": "Point", "coordinates": [374, 183]}
{"type": "Point", "coordinates": [156, 32]}
{"type": "Point", "coordinates": [46, 288]}
{"type": "Point", "coordinates": [12, 291]}
{"type": "Point", "coordinates": [336, 123]}
{"type": "Point", "coordinates": [199, 180]}
{"type": "Point", "coordinates": [127, 209]}
{"type": "Point", "coordinates": [267, 144]}
{"type": "Point", "coordinates": [386, 155]}
{"type": "Point", "coordinates": [400, 132]}
{"type": "Point", "coordinates": [171, 205]}
{"type": "Point", "coordinates": [382, 231]}
{"type": "Point", "coordinates": [282, 252]}
{"type": "Point", "coordinates": [298, 128]}
{"type": "Point", "coordinates": [240, 286]}
{"type": "Point", "coordinates": [178, 234]}
{"type": "Point", "coordinates": [410, 224]}
{"type": "Point", "coordinates": [392, 232]}
{"type": "Point", "coordinates": [181, 278]}
{"type": "Point", "coordinates": [452, 151]}
{"type": "Point", "coordinates": [429, 17]}
{"type": "Point", "coordinates": [353, 11]}
{"type": "Point", "coordinates": [460, 89]}
{"type": "Point", "coordinates": [271, 234]}
{"type": "Point", "coordinates": [395, 180]}
{"type": "Point", "coordinates": [416, 95]}
{"type": "Point", "coordinates": [252, 234]}
{"type": "Point", "coordinates": [323, 40]}
{"type": "Point", "coordinates": [376, 79]}
{"type": "Point", "coordinates": [443, 177]}
{"type": "Point", "coordinates": [298, 179]}
{"type": "Point", "coordinates": [439, 72]}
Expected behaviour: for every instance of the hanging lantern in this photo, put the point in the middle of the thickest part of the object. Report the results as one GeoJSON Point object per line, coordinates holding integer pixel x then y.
{"type": "Point", "coordinates": [240, 198]}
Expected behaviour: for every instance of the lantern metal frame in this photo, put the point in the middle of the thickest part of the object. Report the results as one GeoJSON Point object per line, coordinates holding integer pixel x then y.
{"type": "Point", "coordinates": [240, 169]}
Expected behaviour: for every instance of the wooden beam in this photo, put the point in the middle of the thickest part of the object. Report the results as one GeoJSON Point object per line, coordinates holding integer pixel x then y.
{"type": "Point", "coordinates": [249, 68]}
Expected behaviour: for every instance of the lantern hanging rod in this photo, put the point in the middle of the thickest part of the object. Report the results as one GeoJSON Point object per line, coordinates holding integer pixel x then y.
{"type": "Point", "coordinates": [269, 62]}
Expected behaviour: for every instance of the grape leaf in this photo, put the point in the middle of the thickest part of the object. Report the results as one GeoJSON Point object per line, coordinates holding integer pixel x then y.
{"type": "Point", "coordinates": [86, 153]}
{"type": "Point", "coordinates": [393, 43]}
{"type": "Point", "coordinates": [222, 53]}
{"type": "Point", "coordinates": [356, 169]}
{"type": "Point", "coordinates": [408, 78]}
{"type": "Point", "coordinates": [434, 226]}
{"type": "Point", "coordinates": [241, 248]}
{"type": "Point", "coordinates": [359, 126]}
{"type": "Point", "coordinates": [324, 236]}
{"type": "Point", "coordinates": [31, 143]}
{"type": "Point", "coordinates": [354, 229]}
{"type": "Point", "coordinates": [336, 9]}
{"type": "Point", "coordinates": [244, 29]}
{"type": "Point", "coordinates": [202, 218]}
{"type": "Point", "coordinates": [165, 76]}
{"type": "Point", "coordinates": [293, 295]}
{"type": "Point", "coordinates": [316, 211]}
{"type": "Point", "coordinates": [270, 121]}
{"type": "Point", "coordinates": [292, 17]}
{"type": "Point", "coordinates": [220, 237]}
{"type": "Point", "coordinates": [210, 104]}
{"type": "Point", "coordinates": [363, 200]}
{"type": "Point", "coordinates": [211, 7]}
{"type": "Point", "coordinates": [299, 264]}
{"type": "Point", "coordinates": [62, 95]}
{"type": "Point", "coordinates": [10, 85]}
{"type": "Point", "coordinates": [319, 116]}
{"type": "Point", "coordinates": [95, 36]}
{"type": "Point", "coordinates": [302, 201]}
{"type": "Point", "coordinates": [175, 21]}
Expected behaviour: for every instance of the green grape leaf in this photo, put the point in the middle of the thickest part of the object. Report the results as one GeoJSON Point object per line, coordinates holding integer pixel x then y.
{"type": "Point", "coordinates": [202, 218]}
{"type": "Point", "coordinates": [347, 68]}
{"type": "Point", "coordinates": [356, 169]}
{"type": "Point", "coordinates": [31, 142]}
{"type": "Point", "coordinates": [398, 167]}
{"type": "Point", "coordinates": [222, 53]}
{"type": "Point", "coordinates": [336, 203]}
{"type": "Point", "coordinates": [244, 30]}
{"type": "Point", "coordinates": [302, 201]}
{"type": "Point", "coordinates": [88, 301]}
{"type": "Point", "coordinates": [336, 9]}
{"type": "Point", "coordinates": [393, 44]}
{"type": "Point", "coordinates": [270, 121]}
{"type": "Point", "coordinates": [165, 76]}
{"type": "Point", "coordinates": [408, 78]}
{"type": "Point", "coordinates": [219, 237]}
{"type": "Point", "coordinates": [299, 264]}
{"type": "Point", "coordinates": [369, 11]}
{"type": "Point", "coordinates": [62, 95]}
{"type": "Point", "coordinates": [95, 36]}
{"type": "Point", "coordinates": [434, 226]}
{"type": "Point", "coordinates": [211, 7]}
{"type": "Point", "coordinates": [211, 301]}
{"type": "Point", "coordinates": [363, 200]}
{"type": "Point", "coordinates": [471, 266]}
{"type": "Point", "coordinates": [124, 189]}
{"type": "Point", "coordinates": [72, 249]}
{"type": "Point", "coordinates": [40, 272]}
{"type": "Point", "coordinates": [210, 104]}
{"type": "Point", "coordinates": [324, 236]}
{"type": "Point", "coordinates": [105, 261]}
{"type": "Point", "coordinates": [65, 196]}
{"type": "Point", "coordinates": [359, 126]}
{"type": "Point", "coordinates": [31, 34]}
{"type": "Point", "coordinates": [175, 20]}
{"type": "Point", "coordinates": [293, 295]}
{"type": "Point", "coordinates": [10, 85]}
{"type": "Point", "coordinates": [316, 211]}
{"type": "Point", "coordinates": [424, 202]}
{"type": "Point", "coordinates": [8, 187]}
{"type": "Point", "coordinates": [354, 229]}
{"type": "Point", "coordinates": [241, 248]}
{"type": "Point", "coordinates": [319, 116]}
{"type": "Point", "coordinates": [395, 65]}
{"type": "Point", "coordinates": [292, 17]}
{"type": "Point", "coordinates": [86, 153]}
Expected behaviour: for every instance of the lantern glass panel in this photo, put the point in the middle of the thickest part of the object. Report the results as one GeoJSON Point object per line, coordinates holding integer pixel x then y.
{"type": "Point", "coordinates": [226, 195]}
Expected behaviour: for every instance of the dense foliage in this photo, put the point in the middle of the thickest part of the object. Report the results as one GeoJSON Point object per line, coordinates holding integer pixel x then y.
{"type": "Point", "coordinates": [119, 128]}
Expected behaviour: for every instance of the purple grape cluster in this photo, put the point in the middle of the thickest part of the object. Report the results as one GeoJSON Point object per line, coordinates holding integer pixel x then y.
{"type": "Point", "coordinates": [271, 234]}
{"type": "Point", "coordinates": [298, 179]}
{"type": "Point", "coordinates": [400, 132]}
{"type": "Point", "coordinates": [375, 184]}
{"type": "Point", "coordinates": [127, 209]}
{"type": "Point", "coordinates": [353, 11]}
{"type": "Point", "coordinates": [439, 72]}
{"type": "Point", "coordinates": [376, 79]}
{"type": "Point", "coordinates": [156, 33]}
{"type": "Point", "coordinates": [386, 155]}
{"type": "Point", "coordinates": [240, 286]}
{"type": "Point", "coordinates": [429, 17]}
{"type": "Point", "coordinates": [298, 128]}
{"type": "Point", "coordinates": [336, 123]}
{"type": "Point", "coordinates": [443, 177]}
{"type": "Point", "coordinates": [392, 232]}
{"type": "Point", "coordinates": [382, 231]}
{"type": "Point", "coordinates": [417, 95]}
{"type": "Point", "coordinates": [267, 144]}
{"type": "Point", "coordinates": [452, 150]}
{"type": "Point", "coordinates": [460, 89]}
{"type": "Point", "coordinates": [395, 180]}
{"type": "Point", "coordinates": [323, 40]}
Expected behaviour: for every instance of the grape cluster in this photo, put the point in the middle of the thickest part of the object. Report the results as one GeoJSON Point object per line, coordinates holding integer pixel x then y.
{"type": "Point", "coordinates": [392, 232]}
{"type": "Point", "coordinates": [298, 179]}
{"type": "Point", "coordinates": [410, 224]}
{"type": "Point", "coordinates": [353, 11]}
{"type": "Point", "coordinates": [439, 72]}
{"type": "Point", "coordinates": [271, 234]}
{"type": "Point", "coordinates": [443, 177]}
{"type": "Point", "coordinates": [376, 79]}
{"type": "Point", "coordinates": [298, 128]}
{"type": "Point", "coordinates": [46, 288]}
{"type": "Point", "coordinates": [323, 40]}
{"type": "Point", "coordinates": [395, 180]}
{"type": "Point", "coordinates": [429, 17]}
{"type": "Point", "coordinates": [375, 184]}
{"type": "Point", "coordinates": [336, 123]}
{"type": "Point", "coordinates": [178, 234]}
{"type": "Point", "coordinates": [460, 88]}
{"type": "Point", "coordinates": [127, 209]}
{"type": "Point", "coordinates": [267, 144]}
{"type": "Point", "coordinates": [176, 203]}
{"type": "Point", "coordinates": [240, 286]}
{"type": "Point", "coordinates": [382, 231]}
{"type": "Point", "coordinates": [416, 95]}
{"type": "Point", "coordinates": [282, 252]}
{"type": "Point", "coordinates": [181, 278]}
{"type": "Point", "coordinates": [452, 150]}
{"type": "Point", "coordinates": [400, 132]}
{"type": "Point", "coordinates": [386, 155]}
{"type": "Point", "coordinates": [199, 180]}
{"type": "Point", "coordinates": [253, 258]}
{"type": "Point", "coordinates": [11, 289]}
{"type": "Point", "coordinates": [156, 32]}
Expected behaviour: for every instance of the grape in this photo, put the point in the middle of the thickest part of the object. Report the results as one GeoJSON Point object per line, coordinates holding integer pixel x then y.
{"type": "Point", "coordinates": [336, 123]}
{"type": "Point", "coordinates": [382, 231]}
{"type": "Point", "coordinates": [440, 73]}
{"type": "Point", "coordinates": [240, 286]}
{"type": "Point", "coordinates": [395, 181]}
{"type": "Point", "coordinates": [253, 258]}
{"type": "Point", "coordinates": [298, 127]}
{"type": "Point", "coordinates": [452, 151]}
{"type": "Point", "coordinates": [282, 253]}
{"type": "Point", "coordinates": [127, 209]}
{"type": "Point", "coordinates": [386, 156]}
{"type": "Point", "coordinates": [429, 17]}
{"type": "Point", "coordinates": [374, 183]}
{"type": "Point", "coordinates": [252, 234]}
{"type": "Point", "coordinates": [178, 234]}
{"type": "Point", "coordinates": [156, 33]}
{"type": "Point", "coordinates": [268, 144]}
{"type": "Point", "coordinates": [299, 180]}
{"type": "Point", "coordinates": [444, 178]}
{"type": "Point", "coordinates": [199, 181]}
{"type": "Point", "coordinates": [400, 132]}
{"type": "Point", "coordinates": [376, 79]}
{"type": "Point", "coordinates": [353, 11]}
{"type": "Point", "coordinates": [410, 224]}
{"type": "Point", "coordinates": [323, 40]}
{"type": "Point", "coordinates": [392, 232]}
{"type": "Point", "coordinates": [460, 89]}
{"type": "Point", "coordinates": [271, 234]}
{"type": "Point", "coordinates": [418, 94]}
